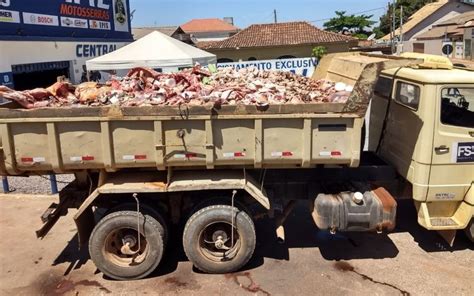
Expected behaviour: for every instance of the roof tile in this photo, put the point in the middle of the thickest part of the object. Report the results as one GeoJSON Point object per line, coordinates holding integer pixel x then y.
{"type": "Point", "coordinates": [279, 34]}
{"type": "Point", "coordinates": [208, 25]}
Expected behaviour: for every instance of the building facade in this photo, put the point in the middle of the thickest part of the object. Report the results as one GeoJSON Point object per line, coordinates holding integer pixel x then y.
{"type": "Point", "coordinates": [425, 19]}
{"type": "Point", "coordinates": [38, 43]}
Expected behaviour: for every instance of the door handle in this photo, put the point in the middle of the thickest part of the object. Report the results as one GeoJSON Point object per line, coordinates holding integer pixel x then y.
{"type": "Point", "coordinates": [442, 149]}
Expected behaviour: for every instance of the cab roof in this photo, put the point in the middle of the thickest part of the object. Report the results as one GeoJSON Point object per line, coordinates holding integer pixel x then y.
{"type": "Point", "coordinates": [433, 76]}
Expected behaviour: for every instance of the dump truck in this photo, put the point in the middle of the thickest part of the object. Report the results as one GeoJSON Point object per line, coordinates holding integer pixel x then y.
{"type": "Point", "coordinates": [141, 170]}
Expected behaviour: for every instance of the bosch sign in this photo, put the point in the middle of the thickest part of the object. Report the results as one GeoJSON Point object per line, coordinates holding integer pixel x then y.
{"type": "Point", "coordinates": [88, 19]}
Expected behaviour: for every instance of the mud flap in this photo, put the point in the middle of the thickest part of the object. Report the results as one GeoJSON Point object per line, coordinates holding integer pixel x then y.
{"type": "Point", "coordinates": [448, 235]}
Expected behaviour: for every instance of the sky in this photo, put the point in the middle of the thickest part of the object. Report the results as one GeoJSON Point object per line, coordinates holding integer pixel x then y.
{"type": "Point", "coordinates": [247, 12]}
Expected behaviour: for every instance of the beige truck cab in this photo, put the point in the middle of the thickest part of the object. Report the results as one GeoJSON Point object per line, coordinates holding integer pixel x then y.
{"type": "Point", "coordinates": [422, 122]}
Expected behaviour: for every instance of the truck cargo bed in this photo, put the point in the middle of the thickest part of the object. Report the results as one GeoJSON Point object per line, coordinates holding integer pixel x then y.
{"type": "Point", "coordinates": [64, 140]}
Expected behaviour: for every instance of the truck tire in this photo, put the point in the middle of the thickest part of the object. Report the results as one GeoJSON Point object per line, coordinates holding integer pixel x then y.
{"type": "Point", "coordinates": [207, 239]}
{"type": "Point", "coordinates": [469, 230]}
{"type": "Point", "coordinates": [108, 239]}
{"type": "Point", "coordinates": [146, 210]}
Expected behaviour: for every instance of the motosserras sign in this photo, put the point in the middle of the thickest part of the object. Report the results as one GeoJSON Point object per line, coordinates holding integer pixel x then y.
{"type": "Point", "coordinates": [54, 19]}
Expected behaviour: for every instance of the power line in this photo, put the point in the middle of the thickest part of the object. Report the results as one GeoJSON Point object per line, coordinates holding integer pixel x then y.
{"type": "Point", "coordinates": [357, 13]}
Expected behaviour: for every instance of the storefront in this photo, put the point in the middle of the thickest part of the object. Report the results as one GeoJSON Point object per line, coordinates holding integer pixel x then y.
{"type": "Point", "coordinates": [38, 43]}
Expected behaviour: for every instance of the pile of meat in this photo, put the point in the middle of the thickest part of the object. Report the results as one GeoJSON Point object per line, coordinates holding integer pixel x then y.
{"type": "Point", "coordinates": [193, 86]}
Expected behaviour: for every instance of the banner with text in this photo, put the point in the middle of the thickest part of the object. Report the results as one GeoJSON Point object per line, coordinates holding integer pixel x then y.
{"type": "Point", "coordinates": [301, 66]}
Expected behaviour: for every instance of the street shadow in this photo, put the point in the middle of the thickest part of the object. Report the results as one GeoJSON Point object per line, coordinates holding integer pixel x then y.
{"type": "Point", "coordinates": [429, 241]}
{"type": "Point", "coordinates": [301, 232]}
{"type": "Point", "coordinates": [73, 255]}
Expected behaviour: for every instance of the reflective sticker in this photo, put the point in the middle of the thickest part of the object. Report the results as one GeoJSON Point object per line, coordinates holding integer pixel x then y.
{"type": "Point", "coordinates": [281, 153]}
{"type": "Point", "coordinates": [324, 153]}
{"type": "Point", "coordinates": [33, 159]}
{"type": "Point", "coordinates": [233, 154]}
{"type": "Point", "coordinates": [81, 158]}
{"type": "Point", "coordinates": [134, 157]}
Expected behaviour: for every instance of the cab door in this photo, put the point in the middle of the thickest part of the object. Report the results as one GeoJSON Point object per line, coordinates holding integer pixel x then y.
{"type": "Point", "coordinates": [452, 165]}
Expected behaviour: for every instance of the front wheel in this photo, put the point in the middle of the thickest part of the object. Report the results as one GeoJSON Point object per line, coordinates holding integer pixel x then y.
{"type": "Point", "coordinates": [469, 230]}
{"type": "Point", "coordinates": [213, 245]}
{"type": "Point", "coordinates": [125, 245]}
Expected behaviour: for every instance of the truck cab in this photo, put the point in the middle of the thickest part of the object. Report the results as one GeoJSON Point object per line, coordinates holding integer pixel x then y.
{"type": "Point", "coordinates": [422, 122]}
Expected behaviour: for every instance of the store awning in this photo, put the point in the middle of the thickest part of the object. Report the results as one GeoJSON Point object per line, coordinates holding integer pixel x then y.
{"type": "Point", "coordinates": [155, 50]}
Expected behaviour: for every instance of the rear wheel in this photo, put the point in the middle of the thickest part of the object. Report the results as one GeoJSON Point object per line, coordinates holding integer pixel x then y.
{"type": "Point", "coordinates": [213, 245]}
{"type": "Point", "coordinates": [122, 252]}
{"type": "Point", "coordinates": [469, 230]}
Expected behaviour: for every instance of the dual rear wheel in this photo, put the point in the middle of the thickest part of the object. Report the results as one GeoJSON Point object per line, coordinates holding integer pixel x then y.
{"type": "Point", "coordinates": [127, 245]}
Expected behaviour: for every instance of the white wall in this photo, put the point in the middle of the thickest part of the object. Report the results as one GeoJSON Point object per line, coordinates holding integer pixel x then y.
{"type": "Point", "coordinates": [26, 52]}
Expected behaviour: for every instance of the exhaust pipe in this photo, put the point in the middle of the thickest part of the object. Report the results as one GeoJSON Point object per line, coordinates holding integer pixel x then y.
{"type": "Point", "coordinates": [280, 219]}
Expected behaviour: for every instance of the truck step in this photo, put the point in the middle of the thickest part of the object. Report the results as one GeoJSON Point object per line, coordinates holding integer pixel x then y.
{"type": "Point", "coordinates": [443, 221]}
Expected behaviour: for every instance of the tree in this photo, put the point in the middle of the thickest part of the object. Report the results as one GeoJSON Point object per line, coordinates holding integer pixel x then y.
{"type": "Point", "coordinates": [356, 25]}
{"type": "Point", "coordinates": [409, 8]}
{"type": "Point", "coordinates": [319, 51]}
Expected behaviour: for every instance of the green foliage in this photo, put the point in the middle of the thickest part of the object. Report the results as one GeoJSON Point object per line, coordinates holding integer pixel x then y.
{"type": "Point", "coordinates": [319, 51]}
{"type": "Point", "coordinates": [409, 8]}
{"type": "Point", "coordinates": [357, 25]}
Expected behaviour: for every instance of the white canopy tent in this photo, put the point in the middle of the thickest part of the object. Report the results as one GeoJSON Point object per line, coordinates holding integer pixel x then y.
{"type": "Point", "coordinates": [155, 50]}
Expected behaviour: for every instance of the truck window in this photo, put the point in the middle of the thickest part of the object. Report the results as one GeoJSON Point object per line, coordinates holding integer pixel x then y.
{"type": "Point", "coordinates": [383, 88]}
{"type": "Point", "coordinates": [457, 106]}
{"type": "Point", "coordinates": [408, 95]}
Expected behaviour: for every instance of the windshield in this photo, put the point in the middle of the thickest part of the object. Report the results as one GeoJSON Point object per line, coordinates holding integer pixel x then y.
{"type": "Point", "coordinates": [457, 106]}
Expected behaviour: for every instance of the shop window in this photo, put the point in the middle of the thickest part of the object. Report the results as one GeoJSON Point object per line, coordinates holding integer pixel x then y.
{"type": "Point", "coordinates": [224, 60]}
{"type": "Point", "coordinates": [286, 57]}
{"type": "Point", "coordinates": [419, 47]}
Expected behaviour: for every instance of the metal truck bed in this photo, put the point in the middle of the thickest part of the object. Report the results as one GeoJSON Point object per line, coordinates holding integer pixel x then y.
{"type": "Point", "coordinates": [64, 140]}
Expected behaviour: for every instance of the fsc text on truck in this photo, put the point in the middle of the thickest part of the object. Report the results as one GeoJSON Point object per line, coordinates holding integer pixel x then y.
{"type": "Point", "coordinates": [140, 170]}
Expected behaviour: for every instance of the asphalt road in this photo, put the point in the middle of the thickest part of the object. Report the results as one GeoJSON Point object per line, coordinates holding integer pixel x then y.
{"type": "Point", "coordinates": [409, 261]}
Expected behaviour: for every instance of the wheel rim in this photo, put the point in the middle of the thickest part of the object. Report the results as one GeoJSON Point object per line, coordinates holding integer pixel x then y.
{"type": "Point", "coordinates": [115, 241]}
{"type": "Point", "coordinates": [215, 242]}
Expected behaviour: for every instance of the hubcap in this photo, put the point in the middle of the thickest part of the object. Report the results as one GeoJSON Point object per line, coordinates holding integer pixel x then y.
{"type": "Point", "coordinates": [122, 248]}
{"type": "Point", "coordinates": [215, 242]}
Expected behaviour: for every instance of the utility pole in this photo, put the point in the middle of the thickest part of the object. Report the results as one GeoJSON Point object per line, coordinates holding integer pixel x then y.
{"type": "Point", "coordinates": [401, 27]}
{"type": "Point", "coordinates": [390, 22]}
{"type": "Point", "coordinates": [394, 23]}
{"type": "Point", "coordinates": [275, 16]}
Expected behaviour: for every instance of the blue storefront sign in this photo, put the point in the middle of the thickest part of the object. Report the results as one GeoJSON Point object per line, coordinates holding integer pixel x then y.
{"type": "Point", "coordinates": [6, 79]}
{"type": "Point", "coordinates": [55, 19]}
